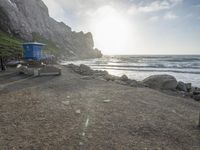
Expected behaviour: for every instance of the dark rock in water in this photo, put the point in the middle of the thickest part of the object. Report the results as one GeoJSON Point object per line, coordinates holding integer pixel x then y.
{"type": "Point", "coordinates": [188, 86]}
{"type": "Point", "coordinates": [124, 78]}
{"type": "Point", "coordinates": [181, 87]}
{"type": "Point", "coordinates": [196, 97]}
{"type": "Point", "coordinates": [163, 82]}
{"type": "Point", "coordinates": [188, 94]}
{"type": "Point", "coordinates": [85, 70]}
{"type": "Point", "coordinates": [196, 92]}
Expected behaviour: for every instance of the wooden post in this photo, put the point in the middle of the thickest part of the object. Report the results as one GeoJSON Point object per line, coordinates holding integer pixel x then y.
{"type": "Point", "coordinates": [2, 65]}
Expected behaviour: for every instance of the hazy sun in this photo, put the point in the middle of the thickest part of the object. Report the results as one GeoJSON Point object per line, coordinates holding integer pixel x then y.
{"type": "Point", "coordinates": [112, 31]}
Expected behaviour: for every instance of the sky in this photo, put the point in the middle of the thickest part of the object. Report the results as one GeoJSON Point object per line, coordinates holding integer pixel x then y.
{"type": "Point", "coordinates": [134, 26]}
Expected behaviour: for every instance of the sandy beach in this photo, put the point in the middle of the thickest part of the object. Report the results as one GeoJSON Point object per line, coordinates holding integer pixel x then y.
{"type": "Point", "coordinates": [72, 112]}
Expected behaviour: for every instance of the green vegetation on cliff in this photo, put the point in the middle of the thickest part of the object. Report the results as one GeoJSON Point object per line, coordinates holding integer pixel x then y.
{"type": "Point", "coordinates": [9, 46]}
{"type": "Point", "coordinates": [50, 46]}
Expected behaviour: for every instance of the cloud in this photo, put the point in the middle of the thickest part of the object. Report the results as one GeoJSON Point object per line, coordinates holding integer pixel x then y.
{"type": "Point", "coordinates": [133, 10]}
{"type": "Point", "coordinates": [78, 13]}
{"type": "Point", "coordinates": [158, 5]}
{"type": "Point", "coordinates": [154, 18]}
{"type": "Point", "coordinates": [155, 6]}
{"type": "Point", "coordinates": [170, 16]}
{"type": "Point", "coordinates": [80, 8]}
{"type": "Point", "coordinates": [167, 16]}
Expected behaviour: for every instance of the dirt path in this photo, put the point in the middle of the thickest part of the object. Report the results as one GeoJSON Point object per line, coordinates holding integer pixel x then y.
{"type": "Point", "coordinates": [67, 112]}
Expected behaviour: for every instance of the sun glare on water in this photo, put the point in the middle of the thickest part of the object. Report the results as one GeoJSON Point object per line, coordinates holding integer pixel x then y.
{"type": "Point", "coordinates": [112, 31]}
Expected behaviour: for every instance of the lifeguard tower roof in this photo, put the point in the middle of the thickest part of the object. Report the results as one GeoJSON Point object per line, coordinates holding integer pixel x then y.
{"type": "Point", "coordinates": [33, 43]}
{"type": "Point", "coordinates": [32, 50]}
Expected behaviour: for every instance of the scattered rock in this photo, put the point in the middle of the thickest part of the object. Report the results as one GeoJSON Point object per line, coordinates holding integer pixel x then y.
{"type": "Point", "coordinates": [87, 77]}
{"type": "Point", "coordinates": [181, 87]}
{"type": "Point", "coordinates": [110, 77]}
{"type": "Point", "coordinates": [25, 70]}
{"type": "Point", "coordinates": [124, 78]}
{"type": "Point", "coordinates": [163, 82]}
{"type": "Point", "coordinates": [82, 69]}
{"type": "Point", "coordinates": [100, 73]}
{"type": "Point", "coordinates": [66, 102]}
{"type": "Point", "coordinates": [196, 97]}
{"type": "Point", "coordinates": [85, 70]}
{"type": "Point", "coordinates": [78, 111]}
{"type": "Point", "coordinates": [121, 82]}
{"type": "Point", "coordinates": [159, 82]}
{"type": "Point", "coordinates": [107, 101]}
{"type": "Point", "coordinates": [188, 86]}
{"type": "Point", "coordinates": [100, 78]}
{"type": "Point", "coordinates": [196, 92]}
{"type": "Point", "coordinates": [134, 83]}
{"type": "Point", "coordinates": [188, 94]}
{"type": "Point", "coordinates": [74, 68]}
{"type": "Point", "coordinates": [68, 97]}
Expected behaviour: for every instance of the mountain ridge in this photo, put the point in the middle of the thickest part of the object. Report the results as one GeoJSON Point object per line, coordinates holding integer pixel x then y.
{"type": "Point", "coordinates": [22, 18]}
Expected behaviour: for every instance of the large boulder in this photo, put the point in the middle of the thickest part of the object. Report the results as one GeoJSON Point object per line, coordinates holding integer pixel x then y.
{"type": "Point", "coordinates": [85, 70]}
{"type": "Point", "coordinates": [162, 82]}
{"type": "Point", "coordinates": [25, 70]}
{"type": "Point", "coordinates": [124, 78]}
{"type": "Point", "coordinates": [196, 97]}
{"type": "Point", "coordinates": [181, 86]}
{"type": "Point", "coordinates": [188, 86]}
{"type": "Point", "coordinates": [74, 68]}
{"type": "Point", "coordinates": [100, 73]}
{"type": "Point", "coordinates": [109, 77]}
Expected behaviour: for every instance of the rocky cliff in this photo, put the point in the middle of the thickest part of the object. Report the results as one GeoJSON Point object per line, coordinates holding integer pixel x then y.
{"type": "Point", "coordinates": [27, 18]}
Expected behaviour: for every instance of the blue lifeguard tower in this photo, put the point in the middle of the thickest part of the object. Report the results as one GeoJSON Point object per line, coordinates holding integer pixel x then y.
{"type": "Point", "coordinates": [35, 63]}
{"type": "Point", "coordinates": [33, 51]}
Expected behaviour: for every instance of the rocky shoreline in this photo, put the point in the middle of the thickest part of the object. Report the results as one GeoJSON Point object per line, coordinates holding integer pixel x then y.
{"type": "Point", "coordinates": [164, 83]}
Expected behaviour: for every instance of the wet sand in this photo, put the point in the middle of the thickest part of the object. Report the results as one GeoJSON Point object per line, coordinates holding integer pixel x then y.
{"type": "Point", "coordinates": [70, 113]}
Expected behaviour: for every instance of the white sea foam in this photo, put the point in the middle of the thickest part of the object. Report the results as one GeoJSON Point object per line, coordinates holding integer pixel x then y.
{"type": "Point", "coordinates": [184, 68]}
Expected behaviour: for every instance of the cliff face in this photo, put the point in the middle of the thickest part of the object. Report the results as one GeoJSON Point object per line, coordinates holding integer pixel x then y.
{"type": "Point", "coordinates": [24, 18]}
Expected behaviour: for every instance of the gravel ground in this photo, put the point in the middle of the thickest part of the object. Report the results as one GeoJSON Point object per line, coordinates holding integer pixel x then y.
{"type": "Point", "coordinates": [69, 113]}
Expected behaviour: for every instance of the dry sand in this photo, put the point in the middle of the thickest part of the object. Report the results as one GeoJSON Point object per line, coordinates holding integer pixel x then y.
{"type": "Point", "coordinates": [69, 113]}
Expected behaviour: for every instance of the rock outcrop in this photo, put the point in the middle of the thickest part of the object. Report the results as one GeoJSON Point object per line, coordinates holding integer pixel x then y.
{"type": "Point", "coordinates": [162, 82]}
{"type": "Point", "coordinates": [182, 86]}
{"type": "Point", "coordinates": [23, 18]}
{"type": "Point", "coordinates": [88, 73]}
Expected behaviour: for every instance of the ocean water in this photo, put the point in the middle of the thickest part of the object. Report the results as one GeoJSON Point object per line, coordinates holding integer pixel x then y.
{"type": "Point", "coordinates": [185, 68]}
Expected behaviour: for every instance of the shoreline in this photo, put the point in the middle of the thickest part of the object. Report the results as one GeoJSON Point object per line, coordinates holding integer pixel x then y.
{"type": "Point", "coordinates": [183, 68]}
{"type": "Point", "coordinates": [181, 88]}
